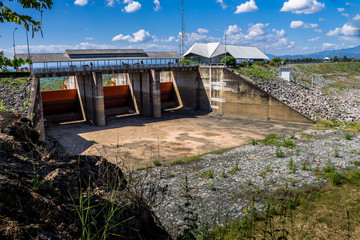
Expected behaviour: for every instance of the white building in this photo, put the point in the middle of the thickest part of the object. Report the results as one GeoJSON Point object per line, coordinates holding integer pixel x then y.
{"type": "Point", "coordinates": [214, 52]}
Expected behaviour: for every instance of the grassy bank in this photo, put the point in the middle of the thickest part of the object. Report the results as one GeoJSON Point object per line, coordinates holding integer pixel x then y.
{"type": "Point", "coordinates": [332, 212]}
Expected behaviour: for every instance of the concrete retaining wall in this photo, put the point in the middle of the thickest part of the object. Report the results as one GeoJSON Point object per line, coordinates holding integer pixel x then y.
{"type": "Point", "coordinates": [233, 94]}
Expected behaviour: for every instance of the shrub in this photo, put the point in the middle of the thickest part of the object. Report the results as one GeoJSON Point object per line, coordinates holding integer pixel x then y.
{"type": "Point", "coordinates": [230, 61]}
{"type": "Point", "coordinates": [156, 163]}
{"type": "Point", "coordinates": [288, 143]}
{"type": "Point", "coordinates": [271, 139]}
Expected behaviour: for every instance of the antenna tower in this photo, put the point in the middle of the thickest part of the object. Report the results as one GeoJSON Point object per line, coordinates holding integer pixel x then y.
{"type": "Point", "coordinates": [182, 34]}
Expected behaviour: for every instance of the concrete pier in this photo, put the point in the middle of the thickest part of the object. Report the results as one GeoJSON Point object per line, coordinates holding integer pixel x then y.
{"type": "Point", "coordinates": [156, 94]}
{"type": "Point", "coordinates": [90, 89]}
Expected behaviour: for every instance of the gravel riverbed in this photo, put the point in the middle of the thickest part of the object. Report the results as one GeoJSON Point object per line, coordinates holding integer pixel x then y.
{"type": "Point", "coordinates": [250, 170]}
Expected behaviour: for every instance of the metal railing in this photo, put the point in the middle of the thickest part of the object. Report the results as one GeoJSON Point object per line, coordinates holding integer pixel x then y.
{"type": "Point", "coordinates": [87, 68]}
{"type": "Point", "coordinates": [215, 65]}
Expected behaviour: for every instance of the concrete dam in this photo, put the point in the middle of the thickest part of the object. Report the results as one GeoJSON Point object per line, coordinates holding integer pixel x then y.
{"type": "Point", "coordinates": [154, 93]}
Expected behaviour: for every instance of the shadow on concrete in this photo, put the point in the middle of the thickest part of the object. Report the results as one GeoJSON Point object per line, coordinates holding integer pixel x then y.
{"type": "Point", "coordinates": [68, 134]}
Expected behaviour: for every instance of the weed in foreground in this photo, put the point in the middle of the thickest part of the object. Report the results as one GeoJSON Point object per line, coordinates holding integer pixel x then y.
{"type": "Point", "coordinates": [288, 143]}
{"type": "Point", "coordinates": [268, 168]}
{"type": "Point", "coordinates": [190, 226]}
{"type": "Point", "coordinates": [156, 163]}
{"type": "Point", "coordinates": [209, 174]}
{"type": "Point", "coordinates": [270, 139]}
{"type": "Point", "coordinates": [356, 163]}
{"type": "Point", "coordinates": [292, 166]}
{"type": "Point", "coordinates": [348, 136]}
{"type": "Point", "coordinates": [279, 153]}
{"type": "Point", "coordinates": [223, 173]}
{"type": "Point", "coordinates": [235, 168]}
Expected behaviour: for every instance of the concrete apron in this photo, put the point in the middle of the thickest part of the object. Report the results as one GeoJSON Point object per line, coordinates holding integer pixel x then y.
{"type": "Point", "coordinates": [135, 142]}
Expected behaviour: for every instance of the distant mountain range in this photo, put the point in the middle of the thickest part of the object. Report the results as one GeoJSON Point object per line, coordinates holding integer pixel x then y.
{"type": "Point", "coordinates": [349, 52]}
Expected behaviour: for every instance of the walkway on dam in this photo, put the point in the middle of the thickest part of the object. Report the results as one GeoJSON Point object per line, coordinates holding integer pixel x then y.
{"type": "Point", "coordinates": [136, 141]}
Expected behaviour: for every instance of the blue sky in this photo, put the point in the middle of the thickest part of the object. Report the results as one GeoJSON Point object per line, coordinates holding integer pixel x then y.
{"type": "Point", "coordinates": [274, 26]}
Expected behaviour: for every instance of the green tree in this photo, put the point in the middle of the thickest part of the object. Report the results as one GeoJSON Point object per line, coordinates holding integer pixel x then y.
{"type": "Point", "coordinates": [275, 61]}
{"type": "Point", "coordinates": [336, 59]}
{"type": "Point", "coordinates": [230, 61]}
{"type": "Point", "coordinates": [185, 61]}
{"type": "Point", "coordinates": [8, 15]}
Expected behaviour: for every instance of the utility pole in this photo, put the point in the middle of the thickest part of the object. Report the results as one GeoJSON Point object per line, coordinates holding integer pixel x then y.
{"type": "Point", "coordinates": [225, 46]}
{"type": "Point", "coordinates": [182, 34]}
{"type": "Point", "coordinates": [27, 39]}
{"type": "Point", "coordinates": [14, 41]}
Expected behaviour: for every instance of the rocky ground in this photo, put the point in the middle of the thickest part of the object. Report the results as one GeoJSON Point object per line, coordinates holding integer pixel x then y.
{"type": "Point", "coordinates": [45, 196]}
{"type": "Point", "coordinates": [15, 94]}
{"type": "Point", "coordinates": [223, 185]}
{"type": "Point", "coordinates": [312, 99]}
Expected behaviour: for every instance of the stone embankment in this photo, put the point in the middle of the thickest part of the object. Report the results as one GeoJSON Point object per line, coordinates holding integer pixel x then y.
{"type": "Point", "coordinates": [15, 94]}
{"type": "Point", "coordinates": [311, 100]}
{"type": "Point", "coordinates": [223, 185]}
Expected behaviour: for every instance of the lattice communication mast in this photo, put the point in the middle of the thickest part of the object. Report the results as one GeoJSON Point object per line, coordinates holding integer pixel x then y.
{"type": "Point", "coordinates": [182, 34]}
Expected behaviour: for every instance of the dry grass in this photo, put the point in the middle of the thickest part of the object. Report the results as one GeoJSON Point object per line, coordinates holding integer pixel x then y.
{"type": "Point", "coordinates": [330, 213]}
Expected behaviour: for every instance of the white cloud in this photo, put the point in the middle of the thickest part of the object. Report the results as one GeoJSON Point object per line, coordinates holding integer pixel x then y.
{"type": "Point", "coordinates": [318, 30]}
{"type": "Point", "coordinates": [249, 6]}
{"type": "Point", "coordinates": [132, 6]}
{"type": "Point", "coordinates": [81, 2]}
{"type": "Point", "coordinates": [157, 5]}
{"type": "Point", "coordinates": [167, 40]}
{"type": "Point", "coordinates": [349, 3]}
{"type": "Point", "coordinates": [192, 38]}
{"type": "Point", "coordinates": [202, 31]}
{"type": "Point", "coordinates": [322, 19]}
{"type": "Point", "coordinates": [302, 6]}
{"type": "Point", "coordinates": [257, 30]}
{"type": "Point", "coordinates": [89, 38]}
{"type": "Point", "coordinates": [301, 24]}
{"type": "Point", "coordinates": [313, 39]}
{"type": "Point", "coordinates": [279, 33]}
{"type": "Point", "coordinates": [341, 9]}
{"type": "Point", "coordinates": [111, 3]}
{"type": "Point", "coordinates": [357, 17]}
{"type": "Point", "coordinates": [346, 30]}
{"type": "Point", "coordinates": [328, 45]}
{"type": "Point", "coordinates": [345, 15]}
{"type": "Point", "coordinates": [139, 36]}
{"type": "Point", "coordinates": [297, 24]}
{"type": "Point", "coordinates": [259, 36]}
{"type": "Point", "coordinates": [233, 29]}
{"type": "Point", "coordinates": [222, 3]}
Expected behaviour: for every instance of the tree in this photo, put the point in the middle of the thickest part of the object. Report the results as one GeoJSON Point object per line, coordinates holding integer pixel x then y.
{"type": "Point", "coordinates": [230, 61]}
{"type": "Point", "coordinates": [275, 61]}
{"type": "Point", "coordinates": [8, 15]}
{"type": "Point", "coordinates": [336, 59]}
